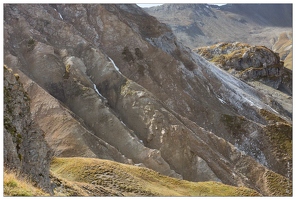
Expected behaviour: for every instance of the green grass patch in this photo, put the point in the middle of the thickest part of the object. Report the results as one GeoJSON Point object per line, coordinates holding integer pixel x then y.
{"type": "Point", "coordinates": [15, 186]}
{"type": "Point", "coordinates": [134, 181]}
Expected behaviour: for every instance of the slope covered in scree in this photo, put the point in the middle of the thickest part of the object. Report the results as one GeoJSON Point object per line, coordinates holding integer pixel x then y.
{"type": "Point", "coordinates": [104, 84]}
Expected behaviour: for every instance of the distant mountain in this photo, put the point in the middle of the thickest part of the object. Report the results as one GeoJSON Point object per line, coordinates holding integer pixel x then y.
{"type": "Point", "coordinates": [197, 25]}
{"type": "Point", "coordinates": [275, 15]}
{"type": "Point", "coordinates": [283, 44]}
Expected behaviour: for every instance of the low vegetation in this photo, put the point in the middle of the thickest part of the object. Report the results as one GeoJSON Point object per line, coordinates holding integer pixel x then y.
{"type": "Point", "coordinates": [130, 180]}
{"type": "Point", "coordinates": [283, 46]}
{"type": "Point", "coordinates": [16, 186]}
{"type": "Point", "coordinates": [278, 185]}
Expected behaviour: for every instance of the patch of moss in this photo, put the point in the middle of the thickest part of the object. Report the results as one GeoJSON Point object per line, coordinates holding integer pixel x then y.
{"type": "Point", "coordinates": [139, 53]}
{"type": "Point", "coordinates": [9, 126]}
{"type": "Point", "coordinates": [233, 123]}
{"type": "Point", "coordinates": [31, 44]}
{"type": "Point", "coordinates": [127, 55]}
{"type": "Point", "coordinates": [219, 59]}
{"type": "Point", "coordinates": [280, 136]}
{"type": "Point", "coordinates": [7, 95]}
{"type": "Point", "coordinates": [68, 66]}
{"type": "Point", "coordinates": [205, 52]}
{"type": "Point", "coordinates": [20, 157]}
{"type": "Point", "coordinates": [7, 68]}
{"type": "Point", "coordinates": [17, 77]}
{"type": "Point", "coordinates": [270, 116]}
{"type": "Point", "coordinates": [67, 71]}
{"type": "Point", "coordinates": [278, 185]}
{"type": "Point", "coordinates": [236, 54]}
{"type": "Point", "coordinates": [141, 70]}
{"type": "Point", "coordinates": [126, 89]}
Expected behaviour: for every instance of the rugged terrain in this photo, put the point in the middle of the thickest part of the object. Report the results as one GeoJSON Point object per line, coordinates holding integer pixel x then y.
{"type": "Point", "coordinates": [112, 82]}
{"type": "Point", "coordinates": [25, 150]}
{"type": "Point", "coordinates": [250, 63]}
{"type": "Point", "coordinates": [198, 25]}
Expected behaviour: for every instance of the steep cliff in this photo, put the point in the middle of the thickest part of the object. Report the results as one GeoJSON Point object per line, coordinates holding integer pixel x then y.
{"type": "Point", "coordinates": [25, 149]}
{"type": "Point", "coordinates": [110, 81]}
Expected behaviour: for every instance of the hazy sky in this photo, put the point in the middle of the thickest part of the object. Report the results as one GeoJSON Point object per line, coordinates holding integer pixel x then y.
{"type": "Point", "coordinates": [145, 5]}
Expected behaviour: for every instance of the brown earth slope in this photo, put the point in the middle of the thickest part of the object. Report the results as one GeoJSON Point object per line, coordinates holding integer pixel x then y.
{"type": "Point", "coordinates": [103, 84]}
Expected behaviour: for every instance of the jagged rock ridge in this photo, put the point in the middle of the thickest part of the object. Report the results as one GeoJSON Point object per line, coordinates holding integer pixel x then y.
{"type": "Point", "coordinates": [140, 97]}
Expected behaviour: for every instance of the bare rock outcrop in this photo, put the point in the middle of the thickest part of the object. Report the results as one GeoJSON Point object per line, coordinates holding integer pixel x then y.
{"type": "Point", "coordinates": [250, 63]}
{"type": "Point", "coordinates": [25, 149]}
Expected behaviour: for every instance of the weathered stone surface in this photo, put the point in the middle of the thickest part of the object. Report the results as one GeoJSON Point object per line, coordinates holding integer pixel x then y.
{"type": "Point", "coordinates": [25, 149]}
{"type": "Point", "coordinates": [250, 63]}
{"type": "Point", "coordinates": [134, 94]}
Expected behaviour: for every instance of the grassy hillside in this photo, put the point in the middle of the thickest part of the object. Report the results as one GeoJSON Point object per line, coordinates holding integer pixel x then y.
{"type": "Point", "coordinates": [283, 45]}
{"type": "Point", "coordinates": [16, 186]}
{"type": "Point", "coordinates": [107, 178]}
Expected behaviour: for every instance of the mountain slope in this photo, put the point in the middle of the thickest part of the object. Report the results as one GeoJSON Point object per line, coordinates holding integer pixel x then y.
{"type": "Point", "coordinates": [283, 45]}
{"type": "Point", "coordinates": [127, 180]}
{"type": "Point", "coordinates": [16, 186]}
{"type": "Point", "coordinates": [198, 25]}
{"type": "Point", "coordinates": [138, 96]}
{"type": "Point", "coordinates": [250, 63]}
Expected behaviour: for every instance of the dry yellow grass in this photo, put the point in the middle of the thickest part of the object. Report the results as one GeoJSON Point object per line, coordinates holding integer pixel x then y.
{"type": "Point", "coordinates": [136, 181]}
{"type": "Point", "coordinates": [16, 186]}
{"type": "Point", "coordinates": [284, 47]}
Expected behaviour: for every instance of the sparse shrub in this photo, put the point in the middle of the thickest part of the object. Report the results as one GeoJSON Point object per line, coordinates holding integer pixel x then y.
{"type": "Point", "coordinates": [67, 71]}
{"type": "Point", "coordinates": [139, 53]}
{"type": "Point", "coordinates": [68, 66]}
{"type": "Point", "coordinates": [127, 55]}
{"type": "Point", "coordinates": [17, 77]}
{"type": "Point", "coordinates": [15, 186]}
{"type": "Point", "coordinates": [31, 44]}
{"type": "Point", "coordinates": [279, 185]}
{"type": "Point", "coordinates": [233, 123]}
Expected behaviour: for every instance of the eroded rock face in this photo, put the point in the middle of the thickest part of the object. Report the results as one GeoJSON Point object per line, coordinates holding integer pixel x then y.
{"type": "Point", "coordinates": [249, 63]}
{"type": "Point", "coordinates": [25, 148]}
{"type": "Point", "coordinates": [138, 96]}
